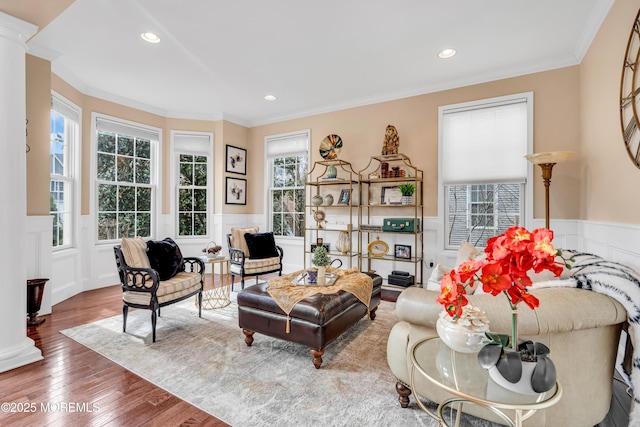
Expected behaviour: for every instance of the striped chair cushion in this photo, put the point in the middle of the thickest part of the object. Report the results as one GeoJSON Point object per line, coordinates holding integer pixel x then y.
{"type": "Point", "coordinates": [237, 238]}
{"type": "Point", "coordinates": [134, 251]}
{"type": "Point", "coordinates": [252, 266]}
{"type": "Point", "coordinates": [183, 283]}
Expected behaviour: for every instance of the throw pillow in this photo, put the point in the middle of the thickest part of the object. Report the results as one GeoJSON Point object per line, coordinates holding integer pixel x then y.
{"type": "Point", "coordinates": [261, 245]}
{"type": "Point", "coordinates": [165, 257]}
{"type": "Point", "coordinates": [134, 250]}
{"type": "Point", "coordinates": [433, 284]}
{"type": "Point", "coordinates": [237, 238]}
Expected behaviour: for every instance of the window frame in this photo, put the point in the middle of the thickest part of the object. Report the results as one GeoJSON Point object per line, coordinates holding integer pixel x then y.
{"type": "Point", "coordinates": [193, 148]}
{"type": "Point", "coordinates": [72, 113]}
{"type": "Point", "coordinates": [302, 149]}
{"type": "Point", "coordinates": [526, 188]}
{"type": "Point", "coordinates": [155, 162]}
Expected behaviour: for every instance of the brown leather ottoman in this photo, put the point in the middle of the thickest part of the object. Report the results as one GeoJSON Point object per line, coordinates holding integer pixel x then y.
{"type": "Point", "coordinates": [315, 321]}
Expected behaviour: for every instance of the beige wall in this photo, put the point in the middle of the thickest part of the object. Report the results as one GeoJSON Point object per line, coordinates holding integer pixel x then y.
{"type": "Point", "coordinates": [556, 117]}
{"type": "Point", "coordinates": [610, 181]}
{"type": "Point", "coordinates": [38, 93]}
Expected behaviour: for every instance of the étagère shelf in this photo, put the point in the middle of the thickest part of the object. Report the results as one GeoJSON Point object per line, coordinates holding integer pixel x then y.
{"type": "Point", "coordinates": [390, 229]}
{"type": "Point", "coordinates": [331, 200]}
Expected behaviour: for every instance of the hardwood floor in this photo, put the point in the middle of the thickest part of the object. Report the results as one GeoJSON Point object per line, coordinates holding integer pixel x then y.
{"type": "Point", "coordinates": [73, 375]}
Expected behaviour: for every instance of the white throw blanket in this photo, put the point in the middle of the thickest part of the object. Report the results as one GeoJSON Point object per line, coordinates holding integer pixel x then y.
{"type": "Point", "coordinates": [621, 283]}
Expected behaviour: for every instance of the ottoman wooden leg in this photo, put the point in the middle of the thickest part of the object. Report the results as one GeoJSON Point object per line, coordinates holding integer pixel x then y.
{"type": "Point", "coordinates": [248, 337]}
{"type": "Point", "coordinates": [404, 393]}
{"type": "Point", "coordinates": [317, 357]}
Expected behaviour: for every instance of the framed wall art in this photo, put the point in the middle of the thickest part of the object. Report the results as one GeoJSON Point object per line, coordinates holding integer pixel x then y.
{"type": "Point", "coordinates": [236, 160]}
{"type": "Point", "coordinates": [391, 196]}
{"type": "Point", "coordinates": [345, 197]}
{"type": "Point", "coordinates": [236, 191]}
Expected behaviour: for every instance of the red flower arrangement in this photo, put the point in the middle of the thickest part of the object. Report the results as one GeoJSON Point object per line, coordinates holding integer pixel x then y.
{"type": "Point", "coordinates": [509, 257]}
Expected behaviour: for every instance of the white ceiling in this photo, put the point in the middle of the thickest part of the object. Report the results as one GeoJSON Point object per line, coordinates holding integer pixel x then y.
{"type": "Point", "coordinates": [219, 58]}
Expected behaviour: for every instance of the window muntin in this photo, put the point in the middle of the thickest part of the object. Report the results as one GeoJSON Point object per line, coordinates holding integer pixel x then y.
{"type": "Point", "coordinates": [125, 190]}
{"type": "Point", "coordinates": [64, 132]}
{"type": "Point", "coordinates": [477, 212]}
{"type": "Point", "coordinates": [192, 195]}
{"type": "Point", "coordinates": [287, 195]}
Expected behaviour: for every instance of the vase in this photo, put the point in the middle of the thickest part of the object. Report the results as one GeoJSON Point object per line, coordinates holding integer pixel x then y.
{"type": "Point", "coordinates": [328, 200]}
{"type": "Point", "coordinates": [332, 172]}
{"type": "Point", "coordinates": [523, 386]}
{"type": "Point", "coordinates": [459, 336]}
{"type": "Point", "coordinates": [343, 244]}
{"type": "Point", "coordinates": [316, 200]}
{"type": "Point", "coordinates": [407, 200]}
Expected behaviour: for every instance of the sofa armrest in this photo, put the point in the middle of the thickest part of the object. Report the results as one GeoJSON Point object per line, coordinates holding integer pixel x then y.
{"type": "Point", "coordinates": [560, 310]}
{"type": "Point", "coordinates": [139, 279]}
{"type": "Point", "coordinates": [236, 256]}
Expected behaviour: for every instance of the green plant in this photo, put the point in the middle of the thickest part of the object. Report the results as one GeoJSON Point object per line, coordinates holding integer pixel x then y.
{"type": "Point", "coordinates": [407, 189]}
{"type": "Point", "coordinates": [320, 257]}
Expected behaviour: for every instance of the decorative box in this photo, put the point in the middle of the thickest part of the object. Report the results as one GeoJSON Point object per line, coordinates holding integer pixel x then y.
{"type": "Point", "coordinates": [406, 225]}
{"type": "Point", "coordinates": [401, 278]}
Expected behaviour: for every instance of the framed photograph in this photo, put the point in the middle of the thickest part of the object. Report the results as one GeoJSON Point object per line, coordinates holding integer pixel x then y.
{"type": "Point", "coordinates": [402, 251]}
{"type": "Point", "coordinates": [236, 160]}
{"type": "Point", "coordinates": [236, 191]}
{"type": "Point", "coordinates": [345, 196]}
{"type": "Point", "coordinates": [391, 196]}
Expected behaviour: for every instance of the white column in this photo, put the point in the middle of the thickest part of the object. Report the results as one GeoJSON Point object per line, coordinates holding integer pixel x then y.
{"type": "Point", "coordinates": [15, 348]}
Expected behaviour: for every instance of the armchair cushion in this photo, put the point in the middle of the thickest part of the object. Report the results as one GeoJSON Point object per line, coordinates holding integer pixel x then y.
{"type": "Point", "coordinates": [134, 250]}
{"type": "Point", "coordinates": [183, 283]}
{"type": "Point", "coordinates": [237, 238]}
{"type": "Point", "coordinates": [261, 245]}
{"type": "Point", "coordinates": [253, 266]}
{"type": "Point", "coordinates": [165, 257]}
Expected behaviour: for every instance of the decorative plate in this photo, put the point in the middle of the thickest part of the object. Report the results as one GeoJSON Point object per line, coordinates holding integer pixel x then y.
{"type": "Point", "coordinates": [330, 147]}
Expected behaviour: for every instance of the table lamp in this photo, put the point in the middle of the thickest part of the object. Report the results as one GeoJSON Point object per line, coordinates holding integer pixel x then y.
{"type": "Point", "coordinates": [547, 161]}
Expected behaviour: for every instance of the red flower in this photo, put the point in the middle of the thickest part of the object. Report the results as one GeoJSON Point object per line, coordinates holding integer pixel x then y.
{"type": "Point", "coordinates": [510, 256]}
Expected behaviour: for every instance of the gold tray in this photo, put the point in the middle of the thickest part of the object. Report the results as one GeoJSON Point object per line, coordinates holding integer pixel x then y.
{"type": "Point", "coordinates": [302, 279]}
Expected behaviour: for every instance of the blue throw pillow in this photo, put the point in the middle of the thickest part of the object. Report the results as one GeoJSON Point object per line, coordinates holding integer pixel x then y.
{"type": "Point", "coordinates": [164, 257]}
{"type": "Point", "coordinates": [261, 245]}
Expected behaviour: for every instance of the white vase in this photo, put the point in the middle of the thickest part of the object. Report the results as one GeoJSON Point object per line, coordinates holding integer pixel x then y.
{"type": "Point", "coordinates": [343, 244]}
{"type": "Point", "coordinates": [407, 200]}
{"type": "Point", "coordinates": [322, 274]}
{"type": "Point", "coordinates": [523, 386]}
{"type": "Point", "coordinates": [459, 337]}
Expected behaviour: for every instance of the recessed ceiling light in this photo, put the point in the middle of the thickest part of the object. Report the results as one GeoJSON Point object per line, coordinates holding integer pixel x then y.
{"type": "Point", "coordinates": [446, 53]}
{"type": "Point", "coordinates": [150, 37]}
{"type": "Point", "coordinates": [270, 97]}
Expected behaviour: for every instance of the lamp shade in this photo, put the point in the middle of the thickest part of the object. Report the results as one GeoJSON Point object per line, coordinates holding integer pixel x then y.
{"type": "Point", "coordinates": [549, 157]}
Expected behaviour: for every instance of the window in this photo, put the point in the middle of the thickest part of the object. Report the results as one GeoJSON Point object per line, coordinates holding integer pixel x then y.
{"type": "Point", "coordinates": [287, 159]}
{"type": "Point", "coordinates": [124, 176]}
{"type": "Point", "coordinates": [192, 151]}
{"type": "Point", "coordinates": [64, 131]}
{"type": "Point", "coordinates": [483, 170]}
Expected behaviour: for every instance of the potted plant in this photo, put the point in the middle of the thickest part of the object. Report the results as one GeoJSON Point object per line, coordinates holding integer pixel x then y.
{"type": "Point", "coordinates": [407, 189]}
{"type": "Point", "coordinates": [509, 258]}
{"type": "Point", "coordinates": [321, 260]}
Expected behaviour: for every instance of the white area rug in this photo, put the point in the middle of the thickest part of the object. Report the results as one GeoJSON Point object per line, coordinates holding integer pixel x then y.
{"type": "Point", "coordinates": [205, 362]}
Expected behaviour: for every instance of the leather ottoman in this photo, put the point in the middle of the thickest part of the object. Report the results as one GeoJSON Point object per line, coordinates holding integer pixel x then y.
{"type": "Point", "coordinates": [314, 322]}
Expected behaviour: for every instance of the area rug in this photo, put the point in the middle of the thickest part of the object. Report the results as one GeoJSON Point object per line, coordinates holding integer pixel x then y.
{"type": "Point", "coordinates": [205, 362]}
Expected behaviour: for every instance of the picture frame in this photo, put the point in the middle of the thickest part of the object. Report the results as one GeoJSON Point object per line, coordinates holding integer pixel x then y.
{"type": "Point", "coordinates": [402, 251]}
{"type": "Point", "coordinates": [391, 195]}
{"type": "Point", "coordinates": [236, 160]}
{"type": "Point", "coordinates": [236, 191]}
{"type": "Point", "coordinates": [345, 197]}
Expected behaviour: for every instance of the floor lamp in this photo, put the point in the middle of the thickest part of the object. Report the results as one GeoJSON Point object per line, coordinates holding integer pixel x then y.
{"type": "Point", "coordinates": [547, 161]}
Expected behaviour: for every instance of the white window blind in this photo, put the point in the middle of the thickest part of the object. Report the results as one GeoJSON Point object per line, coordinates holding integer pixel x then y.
{"type": "Point", "coordinates": [287, 145]}
{"type": "Point", "coordinates": [104, 124]}
{"type": "Point", "coordinates": [65, 108]}
{"type": "Point", "coordinates": [192, 144]}
{"type": "Point", "coordinates": [485, 144]}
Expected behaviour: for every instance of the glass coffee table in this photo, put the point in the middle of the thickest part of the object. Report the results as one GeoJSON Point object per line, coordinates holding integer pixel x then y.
{"type": "Point", "coordinates": [460, 374]}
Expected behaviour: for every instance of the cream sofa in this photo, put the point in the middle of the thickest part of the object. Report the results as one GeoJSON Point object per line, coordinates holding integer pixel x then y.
{"type": "Point", "coordinates": [582, 329]}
